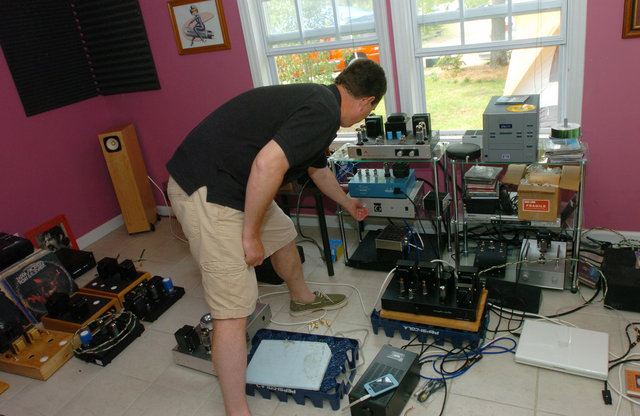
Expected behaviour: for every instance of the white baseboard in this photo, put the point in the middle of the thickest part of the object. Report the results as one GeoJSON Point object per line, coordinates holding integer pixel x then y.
{"type": "Point", "coordinates": [99, 232]}
{"type": "Point", "coordinates": [164, 211]}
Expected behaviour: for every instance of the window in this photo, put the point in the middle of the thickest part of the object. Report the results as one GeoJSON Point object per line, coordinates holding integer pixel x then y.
{"type": "Point", "coordinates": [293, 41]}
{"type": "Point", "coordinates": [465, 51]}
{"type": "Point", "coordinates": [451, 55]}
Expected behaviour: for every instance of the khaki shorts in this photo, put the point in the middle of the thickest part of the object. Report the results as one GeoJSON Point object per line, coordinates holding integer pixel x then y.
{"type": "Point", "coordinates": [215, 239]}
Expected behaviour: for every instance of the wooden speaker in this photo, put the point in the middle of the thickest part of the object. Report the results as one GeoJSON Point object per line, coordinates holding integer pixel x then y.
{"type": "Point", "coordinates": [129, 176]}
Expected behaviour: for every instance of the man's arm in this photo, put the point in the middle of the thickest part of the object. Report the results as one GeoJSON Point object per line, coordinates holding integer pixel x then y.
{"type": "Point", "coordinates": [265, 178]}
{"type": "Point", "coordinates": [328, 185]}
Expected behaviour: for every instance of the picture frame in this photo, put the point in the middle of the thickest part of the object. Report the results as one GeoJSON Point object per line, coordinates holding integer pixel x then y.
{"type": "Point", "coordinates": [631, 20]}
{"type": "Point", "coordinates": [198, 26]}
{"type": "Point", "coordinates": [53, 235]}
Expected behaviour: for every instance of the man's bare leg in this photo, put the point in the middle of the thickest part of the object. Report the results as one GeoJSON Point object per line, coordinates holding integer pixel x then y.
{"type": "Point", "coordinates": [229, 355]}
{"type": "Point", "coordinates": [286, 263]}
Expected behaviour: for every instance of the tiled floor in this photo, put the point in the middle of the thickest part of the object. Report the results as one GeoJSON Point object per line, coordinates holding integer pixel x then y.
{"type": "Point", "coordinates": [144, 380]}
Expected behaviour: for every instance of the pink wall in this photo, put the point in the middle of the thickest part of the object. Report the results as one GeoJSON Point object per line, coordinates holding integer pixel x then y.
{"type": "Point", "coordinates": [52, 163]}
{"type": "Point", "coordinates": [611, 120]}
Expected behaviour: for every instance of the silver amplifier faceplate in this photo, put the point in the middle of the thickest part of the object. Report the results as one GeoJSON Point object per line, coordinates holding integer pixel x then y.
{"type": "Point", "coordinates": [407, 149]}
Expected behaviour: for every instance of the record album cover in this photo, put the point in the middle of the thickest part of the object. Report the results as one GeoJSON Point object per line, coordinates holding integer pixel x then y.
{"type": "Point", "coordinates": [33, 280]}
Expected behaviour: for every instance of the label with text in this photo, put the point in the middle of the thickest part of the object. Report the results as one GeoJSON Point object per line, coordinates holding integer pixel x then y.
{"type": "Point", "coordinates": [536, 205]}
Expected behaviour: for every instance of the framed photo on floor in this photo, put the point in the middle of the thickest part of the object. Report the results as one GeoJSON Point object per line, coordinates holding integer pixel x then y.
{"type": "Point", "coordinates": [199, 26]}
{"type": "Point", "coordinates": [53, 235]}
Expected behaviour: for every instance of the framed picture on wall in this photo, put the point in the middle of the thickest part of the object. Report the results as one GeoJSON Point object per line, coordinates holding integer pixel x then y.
{"type": "Point", "coordinates": [631, 22]}
{"type": "Point", "coordinates": [199, 26]}
{"type": "Point", "coordinates": [53, 235]}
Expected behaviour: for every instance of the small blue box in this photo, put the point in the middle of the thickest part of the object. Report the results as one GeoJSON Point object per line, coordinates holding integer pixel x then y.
{"type": "Point", "coordinates": [336, 249]}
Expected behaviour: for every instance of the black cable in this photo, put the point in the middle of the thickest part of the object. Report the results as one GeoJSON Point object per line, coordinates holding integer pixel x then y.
{"type": "Point", "coordinates": [433, 247]}
{"type": "Point", "coordinates": [304, 237]}
{"type": "Point", "coordinates": [427, 182]}
{"type": "Point", "coordinates": [631, 343]}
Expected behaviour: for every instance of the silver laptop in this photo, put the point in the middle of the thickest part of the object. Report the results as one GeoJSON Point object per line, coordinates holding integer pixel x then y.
{"type": "Point", "coordinates": [557, 347]}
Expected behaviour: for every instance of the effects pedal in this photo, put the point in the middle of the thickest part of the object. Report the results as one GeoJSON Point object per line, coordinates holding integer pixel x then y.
{"type": "Point", "coordinates": [152, 297]}
{"type": "Point", "coordinates": [427, 288]}
{"type": "Point", "coordinates": [194, 342]}
{"type": "Point", "coordinates": [115, 279]}
{"type": "Point", "coordinates": [33, 352]}
{"type": "Point", "coordinates": [103, 339]}
{"type": "Point", "coordinates": [70, 313]}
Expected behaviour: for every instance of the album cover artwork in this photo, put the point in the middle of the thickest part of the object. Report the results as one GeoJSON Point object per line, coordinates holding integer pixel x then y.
{"type": "Point", "coordinates": [32, 281]}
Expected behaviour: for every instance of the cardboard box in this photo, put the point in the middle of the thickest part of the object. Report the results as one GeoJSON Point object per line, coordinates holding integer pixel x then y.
{"type": "Point", "coordinates": [539, 193]}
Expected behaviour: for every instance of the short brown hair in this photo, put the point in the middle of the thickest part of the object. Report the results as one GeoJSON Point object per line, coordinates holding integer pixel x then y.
{"type": "Point", "coordinates": [363, 78]}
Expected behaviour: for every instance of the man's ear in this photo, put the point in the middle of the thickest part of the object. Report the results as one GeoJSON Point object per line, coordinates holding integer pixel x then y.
{"type": "Point", "coordinates": [367, 102]}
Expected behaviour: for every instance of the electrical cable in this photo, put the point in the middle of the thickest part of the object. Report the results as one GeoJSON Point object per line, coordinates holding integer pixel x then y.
{"type": "Point", "coordinates": [304, 237]}
{"type": "Point", "coordinates": [166, 204]}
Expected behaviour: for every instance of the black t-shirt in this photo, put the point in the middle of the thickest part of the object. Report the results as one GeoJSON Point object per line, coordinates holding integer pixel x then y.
{"type": "Point", "coordinates": [218, 153]}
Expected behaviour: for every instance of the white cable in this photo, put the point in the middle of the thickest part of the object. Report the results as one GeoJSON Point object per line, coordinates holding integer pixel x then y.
{"type": "Point", "coordinates": [360, 400]}
{"type": "Point", "coordinates": [382, 288]}
{"type": "Point", "coordinates": [444, 262]}
{"type": "Point", "coordinates": [166, 204]}
{"type": "Point", "coordinates": [622, 395]}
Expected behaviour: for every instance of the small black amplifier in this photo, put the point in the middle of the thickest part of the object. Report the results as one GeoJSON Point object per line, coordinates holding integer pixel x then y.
{"type": "Point", "coordinates": [13, 249]}
{"type": "Point", "coordinates": [620, 266]}
{"type": "Point", "coordinates": [76, 262]}
{"type": "Point", "coordinates": [512, 295]}
{"type": "Point", "coordinates": [403, 365]}
{"type": "Point", "coordinates": [491, 253]}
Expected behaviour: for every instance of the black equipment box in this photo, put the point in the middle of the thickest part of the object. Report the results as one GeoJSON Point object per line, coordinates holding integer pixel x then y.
{"type": "Point", "coordinates": [401, 364]}
{"type": "Point", "coordinates": [76, 262]}
{"type": "Point", "coordinates": [620, 266]}
{"type": "Point", "coordinates": [491, 253]}
{"type": "Point", "coordinates": [513, 295]}
{"type": "Point", "coordinates": [13, 249]}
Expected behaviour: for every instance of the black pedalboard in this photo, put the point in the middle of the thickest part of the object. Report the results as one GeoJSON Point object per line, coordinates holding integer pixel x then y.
{"type": "Point", "coordinates": [403, 365]}
{"type": "Point", "coordinates": [107, 337]}
{"type": "Point", "coordinates": [432, 289]}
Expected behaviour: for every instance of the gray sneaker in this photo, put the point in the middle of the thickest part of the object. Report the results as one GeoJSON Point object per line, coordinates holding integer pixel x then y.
{"type": "Point", "coordinates": [322, 301]}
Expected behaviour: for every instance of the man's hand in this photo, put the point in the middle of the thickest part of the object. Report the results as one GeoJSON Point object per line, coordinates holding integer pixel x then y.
{"type": "Point", "coordinates": [356, 209]}
{"type": "Point", "coordinates": [253, 250]}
